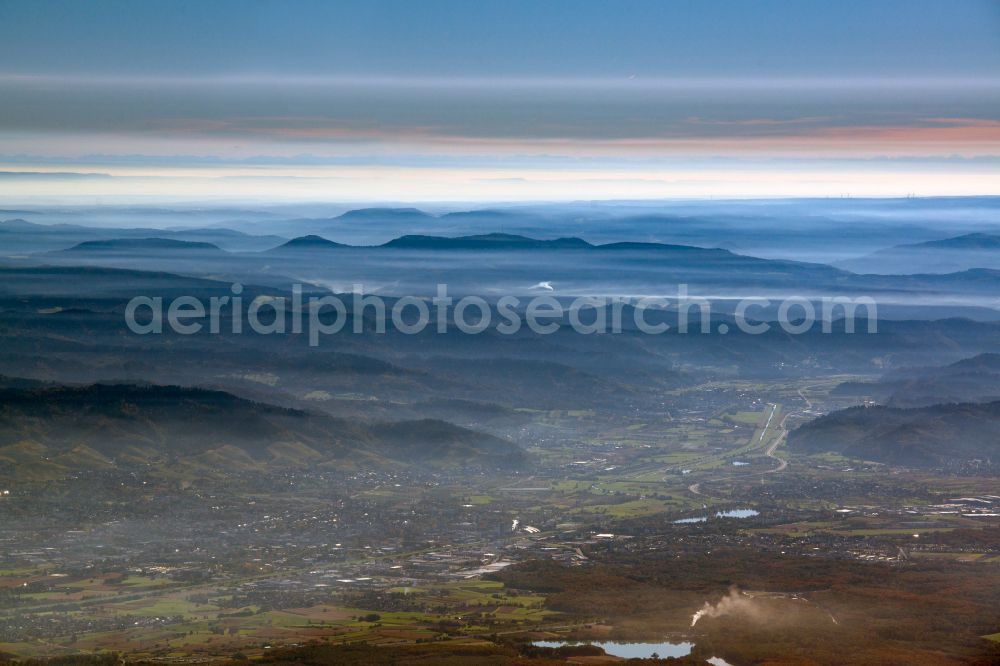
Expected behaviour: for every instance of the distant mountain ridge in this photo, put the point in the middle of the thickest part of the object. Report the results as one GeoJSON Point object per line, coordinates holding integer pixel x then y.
{"type": "Point", "coordinates": [20, 224]}
{"type": "Point", "coordinates": [976, 241]}
{"type": "Point", "coordinates": [138, 244]}
{"type": "Point", "coordinates": [377, 213]}
{"type": "Point", "coordinates": [497, 241]}
{"type": "Point", "coordinates": [21, 235]}
{"type": "Point", "coordinates": [493, 241]}
{"type": "Point", "coordinates": [635, 266]}
{"type": "Point", "coordinates": [946, 255]}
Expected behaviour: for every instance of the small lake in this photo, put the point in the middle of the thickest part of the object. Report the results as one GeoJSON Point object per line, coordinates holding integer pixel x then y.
{"type": "Point", "coordinates": [731, 513]}
{"type": "Point", "coordinates": [635, 650]}
{"type": "Point", "coordinates": [737, 513]}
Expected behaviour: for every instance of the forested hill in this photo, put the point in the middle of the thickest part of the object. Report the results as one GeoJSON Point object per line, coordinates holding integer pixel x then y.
{"type": "Point", "coordinates": [938, 435]}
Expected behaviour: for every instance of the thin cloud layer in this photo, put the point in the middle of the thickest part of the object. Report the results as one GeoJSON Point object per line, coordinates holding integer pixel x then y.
{"type": "Point", "coordinates": [778, 101]}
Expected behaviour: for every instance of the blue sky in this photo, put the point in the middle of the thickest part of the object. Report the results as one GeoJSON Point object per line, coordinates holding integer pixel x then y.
{"type": "Point", "coordinates": [538, 38]}
{"type": "Point", "coordinates": [511, 100]}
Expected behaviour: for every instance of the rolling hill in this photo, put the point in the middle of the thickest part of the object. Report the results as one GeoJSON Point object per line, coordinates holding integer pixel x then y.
{"type": "Point", "coordinates": [129, 424]}
{"type": "Point", "coordinates": [936, 436]}
{"type": "Point", "coordinates": [309, 242]}
{"type": "Point", "coordinates": [947, 255]}
{"type": "Point", "coordinates": [975, 379]}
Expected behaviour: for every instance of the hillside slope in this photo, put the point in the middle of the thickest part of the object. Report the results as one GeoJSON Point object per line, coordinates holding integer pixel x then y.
{"type": "Point", "coordinates": [151, 425]}
{"type": "Point", "coordinates": [936, 436]}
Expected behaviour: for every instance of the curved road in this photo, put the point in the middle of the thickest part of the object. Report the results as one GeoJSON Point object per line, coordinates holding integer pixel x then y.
{"type": "Point", "coordinates": [695, 488]}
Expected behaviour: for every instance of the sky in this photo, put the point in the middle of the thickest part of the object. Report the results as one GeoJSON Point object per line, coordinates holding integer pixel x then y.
{"type": "Point", "coordinates": [492, 101]}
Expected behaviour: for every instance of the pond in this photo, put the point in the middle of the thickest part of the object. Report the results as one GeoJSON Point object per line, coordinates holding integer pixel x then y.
{"type": "Point", "coordinates": [730, 513]}
{"type": "Point", "coordinates": [636, 650]}
{"type": "Point", "coordinates": [737, 513]}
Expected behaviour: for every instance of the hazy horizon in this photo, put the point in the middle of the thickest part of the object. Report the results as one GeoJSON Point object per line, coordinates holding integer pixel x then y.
{"type": "Point", "coordinates": [538, 102]}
